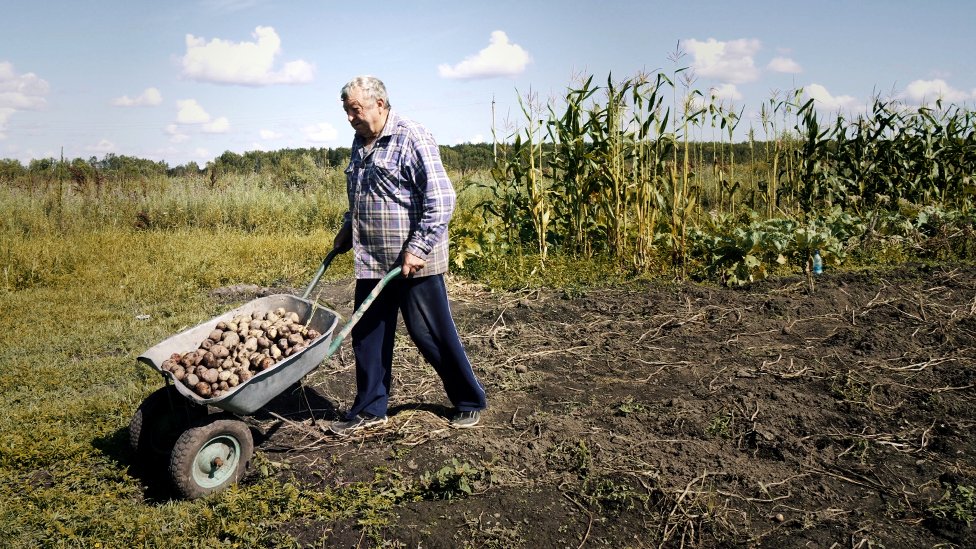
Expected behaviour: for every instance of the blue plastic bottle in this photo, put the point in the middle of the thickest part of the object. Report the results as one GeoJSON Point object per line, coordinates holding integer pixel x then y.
{"type": "Point", "coordinates": [817, 263]}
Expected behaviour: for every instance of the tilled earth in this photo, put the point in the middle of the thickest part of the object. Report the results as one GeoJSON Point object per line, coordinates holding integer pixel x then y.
{"type": "Point", "coordinates": [775, 415]}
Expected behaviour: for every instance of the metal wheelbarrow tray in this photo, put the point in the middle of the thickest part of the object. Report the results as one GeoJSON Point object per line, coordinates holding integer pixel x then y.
{"type": "Point", "coordinates": [254, 393]}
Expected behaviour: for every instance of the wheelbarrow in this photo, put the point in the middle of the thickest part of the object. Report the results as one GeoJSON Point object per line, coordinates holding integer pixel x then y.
{"type": "Point", "coordinates": [204, 443]}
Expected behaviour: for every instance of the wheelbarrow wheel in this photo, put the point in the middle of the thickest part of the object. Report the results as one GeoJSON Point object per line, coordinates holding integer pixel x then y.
{"type": "Point", "coordinates": [210, 457]}
{"type": "Point", "coordinates": [159, 421]}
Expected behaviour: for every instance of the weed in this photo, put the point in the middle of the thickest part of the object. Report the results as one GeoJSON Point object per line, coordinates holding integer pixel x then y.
{"type": "Point", "coordinates": [958, 504]}
{"type": "Point", "coordinates": [628, 407]}
{"type": "Point", "coordinates": [721, 425]}
{"type": "Point", "coordinates": [451, 481]}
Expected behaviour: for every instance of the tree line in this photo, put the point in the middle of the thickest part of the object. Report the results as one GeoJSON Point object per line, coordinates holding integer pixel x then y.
{"type": "Point", "coordinates": [463, 159]}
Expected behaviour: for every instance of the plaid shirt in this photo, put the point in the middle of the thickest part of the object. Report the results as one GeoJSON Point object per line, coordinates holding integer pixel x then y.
{"type": "Point", "coordinates": [400, 199]}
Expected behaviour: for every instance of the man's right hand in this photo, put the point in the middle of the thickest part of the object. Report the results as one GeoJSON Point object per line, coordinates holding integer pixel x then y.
{"type": "Point", "coordinates": [343, 239]}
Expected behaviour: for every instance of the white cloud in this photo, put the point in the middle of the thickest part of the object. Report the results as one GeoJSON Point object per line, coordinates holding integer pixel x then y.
{"type": "Point", "coordinates": [150, 97]}
{"type": "Point", "coordinates": [220, 125]}
{"type": "Point", "coordinates": [104, 146]}
{"type": "Point", "coordinates": [784, 64]}
{"type": "Point", "coordinates": [247, 63]}
{"type": "Point", "coordinates": [271, 134]}
{"type": "Point", "coordinates": [500, 58]}
{"type": "Point", "coordinates": [175, 134]}
{"type": "Point", "coordinates": [19, 92]}
{"type": "Point", "coordinates": [202, 154]}
{"type": "Point", "coordinates": [726, 92]}
{"type": "Point", "coordinates": [188, 111]}
{"type": "Point", "coordinates": [322, 132]}
{"type": "Point", "coordinates": [824, 100]}
{"type": "Point", "coordinates": [924, 91]}
{"type": "Point", "coordinates": [191, 113]}
{"type": "Point", "coordinates": [729, 61]}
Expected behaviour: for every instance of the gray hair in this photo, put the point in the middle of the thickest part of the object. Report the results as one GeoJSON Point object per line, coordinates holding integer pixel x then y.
{"type": "Point", "coordinates": [372, 88]}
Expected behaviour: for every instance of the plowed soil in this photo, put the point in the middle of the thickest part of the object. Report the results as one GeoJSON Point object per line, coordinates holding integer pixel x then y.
{"type": "Point", "coordinates": [678, 415]}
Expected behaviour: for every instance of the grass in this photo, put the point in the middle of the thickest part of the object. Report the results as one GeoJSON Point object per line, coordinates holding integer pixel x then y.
{"type": "Point", "coordinates": [69, 337]}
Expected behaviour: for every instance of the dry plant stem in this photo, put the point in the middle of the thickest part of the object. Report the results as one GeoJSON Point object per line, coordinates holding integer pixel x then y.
{"type": "Point", "coordinates": [589, 514]}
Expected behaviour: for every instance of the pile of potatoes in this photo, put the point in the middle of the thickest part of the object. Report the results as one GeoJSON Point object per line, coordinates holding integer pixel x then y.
{"type": "Point", "coordinates": [236, 350]}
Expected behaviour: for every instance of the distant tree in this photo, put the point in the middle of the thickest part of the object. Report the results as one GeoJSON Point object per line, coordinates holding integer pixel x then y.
{"type": "Point", "coordinates": [11, 171]}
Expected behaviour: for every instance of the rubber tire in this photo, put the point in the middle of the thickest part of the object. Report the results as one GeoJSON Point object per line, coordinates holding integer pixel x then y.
{"type": "Point", "coordinates": [191, 466]}
{"type": "Point", "coordinates": [159, 421]}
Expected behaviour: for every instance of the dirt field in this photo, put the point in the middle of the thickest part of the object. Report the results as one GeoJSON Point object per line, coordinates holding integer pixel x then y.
{"type": "Point", "coordinates": [674, 415]}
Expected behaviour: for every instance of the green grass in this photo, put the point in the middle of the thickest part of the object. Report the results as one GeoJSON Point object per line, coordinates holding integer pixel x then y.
{"type": "Point", "coordinates": [70, 383]}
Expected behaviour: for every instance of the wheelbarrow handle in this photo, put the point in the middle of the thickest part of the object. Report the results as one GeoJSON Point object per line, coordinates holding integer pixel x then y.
{"type": "Point", "coordinates": [325, 265]}
{"type": "Point", "coordinates": [337, 339]}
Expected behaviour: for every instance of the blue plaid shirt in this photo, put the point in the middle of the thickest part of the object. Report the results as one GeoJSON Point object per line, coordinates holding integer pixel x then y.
{"type": "Point", "coordinates": [400, 200]}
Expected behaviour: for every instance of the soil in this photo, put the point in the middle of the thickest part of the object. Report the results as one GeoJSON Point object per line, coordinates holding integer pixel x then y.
{"type": "Point", "coordinates": [676, 415]}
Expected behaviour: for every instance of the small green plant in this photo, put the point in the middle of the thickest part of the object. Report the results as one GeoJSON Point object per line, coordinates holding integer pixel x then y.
{"type": "Point", "coordinates": [958, 504]}
{"type": "Point", "coordinates": [628, 407]}
{"type": "Point", "coordinates": [721, 425]}
{"type": "Point", "coordinates": [451, 481]}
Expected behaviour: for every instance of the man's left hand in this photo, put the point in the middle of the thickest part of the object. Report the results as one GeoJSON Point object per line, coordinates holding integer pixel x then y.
{"type": "Point", "coordinates": [411, 264]}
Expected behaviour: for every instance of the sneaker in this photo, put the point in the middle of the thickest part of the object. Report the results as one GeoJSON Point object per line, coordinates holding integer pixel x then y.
{"type": "Point", "coordinates": [462, 420]}
{"type": "Point", "coordinates": [360, 421]}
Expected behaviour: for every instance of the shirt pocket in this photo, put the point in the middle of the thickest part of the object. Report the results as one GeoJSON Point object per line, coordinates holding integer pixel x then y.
{"type": "Point", "coordinates": [384, 178]}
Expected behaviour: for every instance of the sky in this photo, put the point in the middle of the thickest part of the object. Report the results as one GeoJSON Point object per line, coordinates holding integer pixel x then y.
{"type": "Point", "coordinates": [182, 81]}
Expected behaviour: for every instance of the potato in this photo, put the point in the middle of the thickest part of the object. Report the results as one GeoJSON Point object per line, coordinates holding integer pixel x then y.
{"type": "Point", "coordinates": [203, 389]}
{"type": "Point", "coordinates": [234, 380]}
{"type": "Point", "coordinates": [251, 344]}
{"type": "Point", "coordinates": [263, 342]}
{"type": "Point", "coordinates": [191, 379]}
{"type": "Point", "coordinates": [221, 325]}
{"type": "Point", "coordinates": [312, 334]}
{"type": "Point", "coordinates": [230, 339]}
{"type": "Point", "coordinates": [223, 375]}
{"type": "Point", "coordinates": [207, 344]}
{"type": "Point", "coordinates": [216, 335]}
{"type": "Point", "coordinates": [266, 363]}
{"type": "Point", "coordinates": [179, 373]}
{"type": "Point", "coordinates": [245, 375]}
{"type": "Point", "coordinates": [295, 339]}
{"type": "Point", "coordinates": [220, 351]}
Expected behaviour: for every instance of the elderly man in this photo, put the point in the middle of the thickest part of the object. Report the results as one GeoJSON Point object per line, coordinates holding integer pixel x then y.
{"type": "Point", "coordinates": [400, 202]}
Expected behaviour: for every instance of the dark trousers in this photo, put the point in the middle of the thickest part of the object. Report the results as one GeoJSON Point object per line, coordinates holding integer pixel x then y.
{"type": "Point", "coordinates": [427, 316]}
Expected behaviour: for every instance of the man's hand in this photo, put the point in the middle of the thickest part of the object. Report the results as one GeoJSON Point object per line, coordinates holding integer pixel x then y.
{"type": "Point", "coordinates": [411, 264]}
{"type": "Point", "coordinates": [343, 239]}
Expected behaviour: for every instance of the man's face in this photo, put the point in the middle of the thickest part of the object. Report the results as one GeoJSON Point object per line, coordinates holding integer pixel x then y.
{"type": "Point", "coordinates": [365, 115]}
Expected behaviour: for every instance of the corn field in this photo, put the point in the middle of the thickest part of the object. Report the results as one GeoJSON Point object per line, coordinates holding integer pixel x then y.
{"type": "Point", "coordinates": [645, 171]}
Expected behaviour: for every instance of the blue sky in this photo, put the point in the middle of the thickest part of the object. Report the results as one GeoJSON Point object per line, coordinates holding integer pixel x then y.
{"type": "Point", "coordinates": [187, 80]}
